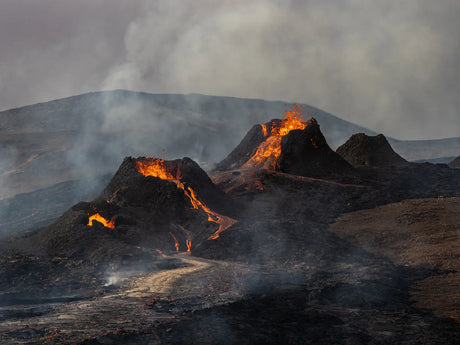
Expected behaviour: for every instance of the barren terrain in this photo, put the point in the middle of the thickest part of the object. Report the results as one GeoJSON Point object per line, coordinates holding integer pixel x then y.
{"type": "Point", "coordinates": [423, 232]}
{"type": "Point", "coordinates": [286, 242]}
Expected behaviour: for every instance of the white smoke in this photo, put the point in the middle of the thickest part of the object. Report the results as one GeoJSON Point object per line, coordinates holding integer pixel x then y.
{"type": "Point", "coordinates": [375, 64]}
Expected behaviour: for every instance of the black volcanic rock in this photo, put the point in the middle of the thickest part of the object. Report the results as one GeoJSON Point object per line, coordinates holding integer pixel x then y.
{"type": "Point", "coordinates": [306, 153]}
{"type": "Point", "coordinates": [244, 151]}
{"type": "Point", "coordinates": [373, 151]}
{"type": "Point", "coordinates": [129, 188]}
{"type": "Point", "coordinates": [455, 163]}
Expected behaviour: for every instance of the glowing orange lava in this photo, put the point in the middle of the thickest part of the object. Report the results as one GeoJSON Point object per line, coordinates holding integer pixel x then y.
{"type": "Point", "coordinates": [161, 253]}
{"type": "Point", "coordinates": [292, 120]}
{"type": "Point", "coordinates": [176, 243]}
{"type": "Point", "coordinates": [107, 223]}
{"type": "Point", "coordinates": [156, 167]}
{"type": "Point", "coordinates": [264, 130]}
{"type": "Point", "coordinates": [268, 152]}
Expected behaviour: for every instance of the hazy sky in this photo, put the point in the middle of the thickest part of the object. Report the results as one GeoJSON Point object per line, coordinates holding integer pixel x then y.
{"type": "Point", "coordinates": [391, 66]}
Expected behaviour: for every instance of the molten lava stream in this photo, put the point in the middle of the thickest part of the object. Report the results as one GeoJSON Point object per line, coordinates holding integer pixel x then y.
{"type": "Point", "coordinates": [188, 243]}
{"type": "Point", "coordinates": [176, 243]}
{"type": "Point", "coordinates": [161, 253]}
{"type": "Point", "coordinates": [107, 223]}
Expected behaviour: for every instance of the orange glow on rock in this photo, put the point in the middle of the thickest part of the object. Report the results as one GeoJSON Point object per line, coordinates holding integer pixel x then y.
{"type": "Point", "coordinates": [107, 223]}
{"type": "Point", "coordinates": [176, 243]}
{"type": "Point", "coordinates": [268, 152]}
{"type": "Point", "coordinates": [265, 130]}
{"type": "Point", "coordinates": [292, 120]}
{"type": "Point", "coordinates": [153, 167]}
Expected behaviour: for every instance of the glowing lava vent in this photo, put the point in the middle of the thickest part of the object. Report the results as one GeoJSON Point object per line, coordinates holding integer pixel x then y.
{"type": "Point", "coordinates": [269, 150]}
{"type": "Point", "coordinates": [261, 148]}
{"type": "Point", "coordinates": [160, 168]}
{"type": "Point", "coordinates": [107, 223]}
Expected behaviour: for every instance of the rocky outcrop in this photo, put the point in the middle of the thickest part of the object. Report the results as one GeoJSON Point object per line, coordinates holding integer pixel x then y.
{"type": "Point", "coordinates": [306, 153]}
{"type": "Point", "coordinates": [373, 151]}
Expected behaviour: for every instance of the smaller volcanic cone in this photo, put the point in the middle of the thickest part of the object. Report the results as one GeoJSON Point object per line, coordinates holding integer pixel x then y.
{"type": "Point", "coordinates": [373, 151]}
{"type": "Point", "coordinates": [169, 188]}
{"type": "Point", "coordinates": [455, 163]}
{"type": "Point", "coordinates": [306, 153]}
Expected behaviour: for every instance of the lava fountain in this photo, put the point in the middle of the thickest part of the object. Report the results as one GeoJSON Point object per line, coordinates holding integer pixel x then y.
{"type": "Point", "coordinates": [269, 150]}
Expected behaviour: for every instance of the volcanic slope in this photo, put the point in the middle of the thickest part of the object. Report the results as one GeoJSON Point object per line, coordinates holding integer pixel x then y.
{"type": "Point", "coordinates": [27, 212]}
{"type": "Point", "coordinates": [374, 151]}
{"type": "Point", "coordinates": [419, 232]}
{"type": "Point", "coordinates": [455, 163]}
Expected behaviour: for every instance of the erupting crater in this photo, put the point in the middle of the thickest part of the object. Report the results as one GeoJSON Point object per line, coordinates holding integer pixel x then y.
{"type": "Point", "coordinates": [268, 152]}
{"type": "Point", "coordinates": [261, 147]}
{"type": "Point", "coordinates": [290, 145]}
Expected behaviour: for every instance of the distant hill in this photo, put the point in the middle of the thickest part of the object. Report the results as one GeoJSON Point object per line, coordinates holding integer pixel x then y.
{"type": "Point", "coordinates": [87, 135]}
{"type": "Point", "coordinates": [434, 151]}
{"type": "Point", "coordinates": [440, 160]}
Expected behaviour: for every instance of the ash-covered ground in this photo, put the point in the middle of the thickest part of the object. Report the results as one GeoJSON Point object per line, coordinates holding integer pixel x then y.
{"type": "Point", "coordinates": [288, 242]}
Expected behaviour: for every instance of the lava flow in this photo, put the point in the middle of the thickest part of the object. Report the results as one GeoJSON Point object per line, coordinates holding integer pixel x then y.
{"type": "Point", "coordinates": [156, 167]}
{"type": "Point", "coordinates": [107, 223]}
{"type": "Point", "coordinates": [176, 243]}
{"type": "Point", "coordinates": [268, 152]}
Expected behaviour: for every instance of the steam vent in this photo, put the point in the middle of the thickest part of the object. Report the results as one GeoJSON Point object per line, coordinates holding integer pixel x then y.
{"type": "Point", "coordinates": [290, 145]}
{"type": "Point", "coordinates": [373, 151]}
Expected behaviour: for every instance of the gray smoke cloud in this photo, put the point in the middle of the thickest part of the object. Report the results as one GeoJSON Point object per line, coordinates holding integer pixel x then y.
{"type": "Point", "coordinates": [391, 66]}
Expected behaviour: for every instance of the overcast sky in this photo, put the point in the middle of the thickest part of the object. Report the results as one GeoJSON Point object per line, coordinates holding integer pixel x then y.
{"type": "Point", "coordinates": [391, 66]}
